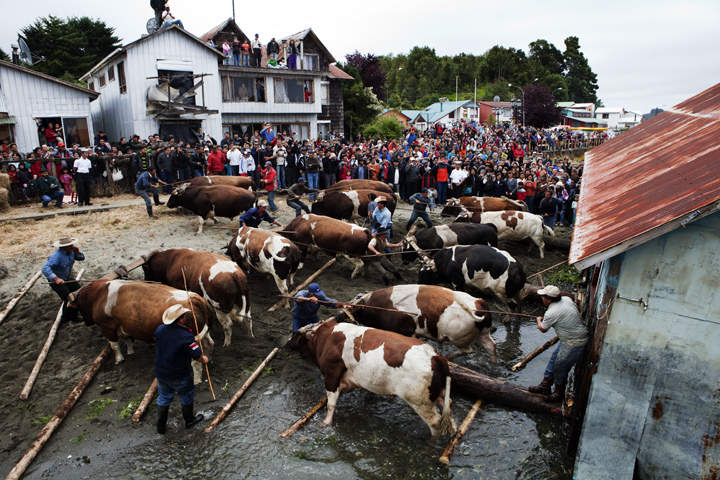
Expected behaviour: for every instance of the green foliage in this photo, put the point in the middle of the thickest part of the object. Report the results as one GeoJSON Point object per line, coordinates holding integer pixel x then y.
{"type": "Point", "coordinates": [70, 46]}
{"type": "Point", "coordinates": [80, 438]}
{"type": "Point", "coordinates": [385, 128]}
{"type": "Point", "coordinates": [226, 387]}
{"type": "Point", "coordinates": [268, 371]}
{"type": "Point", "coordinates": [565, 275]}
{"type": "Point", "coordinates": [130, 408]}
{"type": "Point", "coordinates": [96, 407]}
{"type": "Point", "coordinates": [581, 80]}
{"type": "Point", "coordinates": [360, 103]}
{"type": "Point", "coordinates": [4, 56]}
{"type": "Point", "coordinates": [41, 420]}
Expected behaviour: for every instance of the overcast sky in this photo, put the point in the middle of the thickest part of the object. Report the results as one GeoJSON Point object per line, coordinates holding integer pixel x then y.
{"type": "Point", "coordinates": [645, 53]}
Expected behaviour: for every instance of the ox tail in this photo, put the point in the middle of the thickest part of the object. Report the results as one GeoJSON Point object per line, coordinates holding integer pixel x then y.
{"type": "Point", "coordinates": [548, 230]}
{"type": "Point", "coordinates": [447, 425]}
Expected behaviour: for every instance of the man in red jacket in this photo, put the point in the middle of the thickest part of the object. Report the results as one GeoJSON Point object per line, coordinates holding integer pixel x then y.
{"type": "Point", "coordinates": [268, 178]}
{"type": "Point", "coordinates": [216, 162]}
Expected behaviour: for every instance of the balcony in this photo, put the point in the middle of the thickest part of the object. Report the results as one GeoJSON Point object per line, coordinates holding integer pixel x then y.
{"type": "Point", "coordinates": [271, 71]}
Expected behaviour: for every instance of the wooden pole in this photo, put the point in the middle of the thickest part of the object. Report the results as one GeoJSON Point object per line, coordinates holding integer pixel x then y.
{"type": "Point", "coordinates": [226, 409]}
{"type": "Point", "coordinates": [59, 416]}
{"type": "Point", "coordinates": [297, 425]}
{"type": "Point", "coordinates": [122, 271]}
{"type": "Point", "coordinates": [197, 329]}
{"type": "Point", "coordinates": [25, 393]}
{"type": "Point", "coordinates": [305, 283]}
{"type": "Point", "coordinates": [533, 354]}
{"type": "Point", "coordinates": [14, 300]}
{"type": "Point", "coordinates": [447, 453]}
{"type": "Point", "coordinates": [140, 411]}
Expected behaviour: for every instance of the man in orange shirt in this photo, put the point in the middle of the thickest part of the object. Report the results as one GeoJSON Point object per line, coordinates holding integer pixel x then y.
{"type": "Point", "coordinates": [268, 178]}
{"type": "Point", "coordinates": [374, 169]}
{"type": "Point", "coordinates": [216, 162]}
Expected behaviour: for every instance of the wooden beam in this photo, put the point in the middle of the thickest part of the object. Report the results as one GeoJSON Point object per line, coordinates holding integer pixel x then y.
{"type": "Point", "coordinates": [304, 284]}
{"type": "Point", "coordinates": [447, 453]}
{"type": "Point", "coordinates": [297, 425]}
{"type": "Point", "coordinates": [15, 299]}
{"type": "Point", "coordinates": [140, 411]}
{"type": "Point", "coordinates": [533, 354]}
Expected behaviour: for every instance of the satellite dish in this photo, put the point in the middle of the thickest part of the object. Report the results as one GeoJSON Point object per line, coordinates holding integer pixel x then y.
{"type": "Point", "coordinates": [496, 98]}
{"type": "Point", "coordinates": [26, 55]}
{"type": "Point", "coordinates": [151, 26]}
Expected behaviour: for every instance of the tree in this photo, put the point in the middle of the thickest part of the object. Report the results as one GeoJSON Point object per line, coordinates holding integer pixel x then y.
{"type": "Point", "coordinates": [71, 46]}
{"type": "Point", "coordinates": [4, 56]}
{"type": "Point", "coordinates": [371, 71]}
{"type": "Point", "coordinates": [547, 55]}
{"type": "Point", "coordinates": [540, 108]}
{"type": "Point", "coordinates": [581, 80]}
{"type": "Point", "coordinates": [385, 128]}
{"type": "Point", "coordinates": [360, 103]}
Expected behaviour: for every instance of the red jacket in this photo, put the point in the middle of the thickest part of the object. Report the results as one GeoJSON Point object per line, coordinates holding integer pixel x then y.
{"type": "Point", "coordinates": [216, 162]}
{"type": "Point", "coordinates": [269, 175]}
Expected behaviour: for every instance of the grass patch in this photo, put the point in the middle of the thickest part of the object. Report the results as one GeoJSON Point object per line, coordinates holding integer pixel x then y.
{"type": "Point", "coordinates": [80, 438]}
{"type": "Point", "coordinates": [226, 387]}
{"type": "Point", "coordinates": [96, 407]}
{"type": "Point", "coordinates": [565, 275]}
{"type": "Point", "coordinates": [268, 371]}
{"type": "Point", "coordinates": [40, 421]}
{"type": "Point", "coordinates": [130, 408]}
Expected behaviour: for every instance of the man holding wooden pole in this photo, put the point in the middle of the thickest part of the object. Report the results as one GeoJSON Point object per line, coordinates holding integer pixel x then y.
{"type": "Point", "coordinates": [57, 270]}
{"type": "Point", "coordinates": [562, 314]}
{"type": "Point", "coordinates": [306, 305]}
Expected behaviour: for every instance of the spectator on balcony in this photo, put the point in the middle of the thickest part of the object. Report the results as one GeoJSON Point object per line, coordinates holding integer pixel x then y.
{"type": "Point", "coordinates": [226, 52]}
{"type": "Point", "coordinates": [245, 52]}
{"type": "Point", "coordinates": [292, 55]}
{"type": "Point", "coordinates": [257, 51]}
{"type": "Point", "coordinates": [273, 49]}
{"type": "Point", "coordinates": [236, 49]}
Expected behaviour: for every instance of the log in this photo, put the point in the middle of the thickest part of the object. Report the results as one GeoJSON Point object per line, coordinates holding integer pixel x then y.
{"type": "Point", "coordinates": [14, 300]}
{"type": "Point", "coordinates": [123, 271]}
{"type": "Point", "coordinates": [25, 393]}
{"type": "Point", "coordinates": [140, 411]}
{"type": "Point", "coordinates": [499, 391]}
{"type": "Point", "coordinates": [533, 354]}
{"type": "Point", "coordinates": [59, 416]}
{"type": "Point", "coordinates": [305, 283]}
{"type": "Point", "coordinates": [297, 425]}
{"type": "Point", "coordinates": [556, 243]}
{"type": "Point", "coordinates": [226, 409]}
{"type": "Point", "coordinates": [447, 453]}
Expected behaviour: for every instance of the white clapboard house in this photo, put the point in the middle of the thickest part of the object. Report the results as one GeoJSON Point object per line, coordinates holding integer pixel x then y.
{"type": "Point", "coordinates": [29, 100]}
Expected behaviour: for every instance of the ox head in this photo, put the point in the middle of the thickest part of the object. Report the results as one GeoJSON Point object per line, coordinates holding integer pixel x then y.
{"type": "Point", "coordinates": [176, 195]}
{"type": "Point", "coordinates": [452, 207]}
{"type": "Point", "coordinates": [428, 274]}
{"type": "Point", "coordinates": [319, 206]}
{"type": "Point", "coordinates": [303, 340]}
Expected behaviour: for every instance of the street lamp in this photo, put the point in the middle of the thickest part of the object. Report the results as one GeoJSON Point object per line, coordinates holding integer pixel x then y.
{"type": "Point", "coordinates": [523, 102]}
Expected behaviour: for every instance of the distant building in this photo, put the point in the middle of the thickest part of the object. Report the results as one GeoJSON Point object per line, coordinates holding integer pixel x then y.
{"type": "Point", "coordinates": [618, 117]}
{"type": "Point", "coordinates": [501, 111]}
{"type": "Point", "coordinates": [30, 100]}
{"type": "Point", "coordinates": [580, 115]}
{"type": "Point", "coordinates": [447, 113]}
{"type": "Point", "coordinates": [408, 118]}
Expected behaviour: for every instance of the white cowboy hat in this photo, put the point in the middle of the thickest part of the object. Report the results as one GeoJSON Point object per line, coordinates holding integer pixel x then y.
{"type": "Point", "coordinates": [65, 242]}
{"type": "Point", "coordinates": [550, 291]}
{"type": "Point", "coordinates": [172, 313]}
{"type": "Point", "coordinates": [262, 203]}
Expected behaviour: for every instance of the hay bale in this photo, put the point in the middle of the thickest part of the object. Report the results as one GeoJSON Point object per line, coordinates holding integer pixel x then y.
{"type": "Point", "coordinates": [5, 181]}
{"type": "Point", "coordinates": [4, 199]}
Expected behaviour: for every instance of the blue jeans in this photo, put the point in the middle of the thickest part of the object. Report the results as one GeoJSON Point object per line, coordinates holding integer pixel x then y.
{"type": "Point", "coordinates": [144, 195]}
{"type": "Point", "coordinates": [271, 200]}
{"type": "Point", "coordinates": [442, 192]}
{"type": "Point", "coordinates": [235, 170]}
{"type": "Point", "coordinates": [236, 59]}
{"type": "Point", "coordinates": [245, 59]}
{"type": "Point", "coordinates": [183, 388]}
{"type": "Point", "coordinates": [57, 195]}
{"type": "Point", "coordinates": [298, 322]}
{"type": "Point", "coordinates": [299, 206]}
{"type": "Point", "coordinates": [549, 221]}
{"type": "Point", "coordinates": [312, 180]}
{"type": "Point", "coordinates": [174, 22]}
{"type": "Point", "coordinates": [417, 214]}
{"type": "Point", "coordinates": [281, 176]}
{"type": "Point", "coordinates": [562, 360]}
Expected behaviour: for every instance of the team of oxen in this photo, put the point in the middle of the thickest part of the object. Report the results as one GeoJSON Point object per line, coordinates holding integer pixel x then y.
{"type": "Point", "coordinates": [373, 344]}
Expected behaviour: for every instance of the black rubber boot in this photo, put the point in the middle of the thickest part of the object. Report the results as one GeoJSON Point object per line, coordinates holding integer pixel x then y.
{"type": "Point", "coordinates": [558, 394]}
{"type": "Point", "coordinates": [191, 419]}
{"type": "Point", "coordinates": [543, 387]}
{"type": "Point", "coordinates": [162, 419]}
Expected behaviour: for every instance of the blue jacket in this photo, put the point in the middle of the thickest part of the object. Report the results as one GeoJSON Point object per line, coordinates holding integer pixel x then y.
{"type": "Point", "coordinates": [253, 219]}
{"type": "Point", "coordinates": [308, 310]}
{"type": "Point", "coordinates": [175, 347]}
{"type": "Point", "coordinates": [145, 181]}
{"type": "Point", "coordinates": [381, 219]}
{"type": "Point", "coordinates": [60, 264]}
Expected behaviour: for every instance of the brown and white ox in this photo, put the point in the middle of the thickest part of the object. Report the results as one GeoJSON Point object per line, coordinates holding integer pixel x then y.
{"type": "Point", "coordinates": [232, 180]}
{"type": "Point", "coordinates": [266, 252]}
{"type": "Point", "coordinates": [331, 235]}
{"type": "Point", "coordinates": [211, 201]}
{"type": "Point", "coordinates": [428, 311]}
{"type": "Point", "coordinates": [381, 362]}
{"type": "Point", "coordinates": [132, 310]}
{"type": "Point", "coordinates": [481, 204]}
{"type": "Point", "coordinates": [349, 204]}
{"type": "Point", "coordinates": [361, 184]}
{"type": "Point", "coordinates": [216, 278]}
{"type": "Point", "coordinates": [512, 225]}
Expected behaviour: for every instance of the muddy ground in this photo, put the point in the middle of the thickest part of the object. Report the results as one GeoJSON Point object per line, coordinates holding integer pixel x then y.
{"type": "Point", "coordinates": [373, 437]}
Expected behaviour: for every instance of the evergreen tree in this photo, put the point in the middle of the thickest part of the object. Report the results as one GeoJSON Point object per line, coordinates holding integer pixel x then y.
{"type": "Point", "coordinates": [581, 80]}
{"type": "Point", "coordinates": [4, 56]}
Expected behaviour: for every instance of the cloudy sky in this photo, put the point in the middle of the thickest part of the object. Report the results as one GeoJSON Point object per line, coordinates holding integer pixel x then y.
{"type": "Point", "coordinates": [645, 53]}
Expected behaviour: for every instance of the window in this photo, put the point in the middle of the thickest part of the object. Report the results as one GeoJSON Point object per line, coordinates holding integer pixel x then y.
{"type": "Point", "coordinates": [91, 86]}
{"type": "Point", "coordinates": [294, 90]}
{"type": "Point", "coordinates": [606, 115]}
{"type": "Point", "coordinates": [121, 77]}
{"type": "Point", "coordinates": [311, 61]}
{"type": "Point", "coordinates": [111, 73]}
{"type": "Point", "coordinates": [325, 93]}
{"type": "Point", "coordinates": [243, 89]}
{"type": "Point", "coordinates": [101, 80]}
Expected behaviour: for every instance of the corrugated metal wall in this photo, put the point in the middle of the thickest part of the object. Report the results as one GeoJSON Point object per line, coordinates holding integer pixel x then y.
{"type": "Point", "coordinates": [656, 394]}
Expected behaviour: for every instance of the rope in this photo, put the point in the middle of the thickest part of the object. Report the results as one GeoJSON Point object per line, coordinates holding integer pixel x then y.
{"type": "Point", "coordinates": [547, 269]}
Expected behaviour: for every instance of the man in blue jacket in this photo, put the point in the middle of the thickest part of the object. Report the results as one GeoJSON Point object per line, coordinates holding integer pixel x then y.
{"type": "Point", "coordinates": [256, 215]}
{"type": "Point", "coordinates": [148, 182]}
{"type": "Point", "coordinates": [174, 349]}
{"type": "Point", "coordinates": [58, 269]}
{"type": "Point", "coordinates": [306, 305]}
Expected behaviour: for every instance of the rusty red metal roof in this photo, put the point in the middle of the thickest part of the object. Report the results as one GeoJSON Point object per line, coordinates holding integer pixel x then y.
{"type": "Point", "coordinates": [656, 173]}
{"type": "Point", "coordinates": [337, 72]}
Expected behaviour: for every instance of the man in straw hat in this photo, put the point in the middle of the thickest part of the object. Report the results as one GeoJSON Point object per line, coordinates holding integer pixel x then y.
{"type": "Point", "coordinates": [562, 314]}
{"type": "Point", "coordinates": [58, 269]}
{"type": "Point", "coordinates": [175, 348]}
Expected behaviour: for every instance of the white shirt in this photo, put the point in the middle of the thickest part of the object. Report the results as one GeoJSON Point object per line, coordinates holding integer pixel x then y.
{"type": "Point", "coordinates": [248, 164]}
{"type": "Point", "coordinates": [565, 318]}
{"type": "Point", "coordinates": [280, 154]}
{"type": "Point", "coordinates": [457, 176]}
{"type": "Point", "coordinates": [234, 157]}
{"type": "Point", "coordinates": [82, 165]}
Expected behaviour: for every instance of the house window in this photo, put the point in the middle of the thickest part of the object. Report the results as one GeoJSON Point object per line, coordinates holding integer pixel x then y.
{"type": "Point", "coordinates": [294, 90]}
{"type": "Point", "coordinates": [311, 61]}
{"type": "Point", "coordinates": [111, 74]}
{"type": "Point", "coordinates": [243, 89]}
{"type": "Point", "coordinates": [606, 115]}
{"type": "Point", "coordinates": [324, 93]}
{"type": "Point", "coordinates": [101, 80]}
{"type": "Point", "coordinates": [121, 77]}
{"type": "Point", "coordinates": [76, 131]}
{"type": "Point", "coordinates": [91, 86]}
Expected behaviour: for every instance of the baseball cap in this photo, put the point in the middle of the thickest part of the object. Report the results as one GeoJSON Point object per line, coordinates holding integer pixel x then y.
{"type": "Point", "coordinates": [550, 291]}
{"type": "Point", "coordinates": [314, 288]}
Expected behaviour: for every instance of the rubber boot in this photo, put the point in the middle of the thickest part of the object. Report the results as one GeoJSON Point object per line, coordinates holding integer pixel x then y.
{"type": "Point", "coordinates": [543, 387]}
{"type": "Point", "coordinates": [191, 419]}
{"type": "Point", "coordinates": [162, 419]}
{"type": "Point", "coordinates": [558, 394]}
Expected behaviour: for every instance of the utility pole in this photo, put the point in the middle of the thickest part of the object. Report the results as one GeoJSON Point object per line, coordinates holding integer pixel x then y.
{"type": "Point", "coordinates": [233, 3]}
{"type": "Point", "coordinates": [456, 87]}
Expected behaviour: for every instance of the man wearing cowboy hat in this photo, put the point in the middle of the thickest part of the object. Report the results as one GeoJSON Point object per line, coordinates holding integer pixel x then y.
{"type": "Point", "coordinates": [57, 270]}
{"type": "Point", "coordinates": [255, 216]}
{"type": "Point", "coordinates": [380, 216]}
{"type": "Point", "coordinates": [306, 305]}
{"type": "Point", "coordinates": [377, 246]}
{"type": "Point", "coordinates": [562, 314]}
{"type": "Point", "coordinates": [175, 347]}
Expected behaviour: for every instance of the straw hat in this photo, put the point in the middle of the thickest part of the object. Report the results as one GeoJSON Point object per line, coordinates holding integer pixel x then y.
{"type": "Point", "coordinates": [65, 242]}
{"type": "Point", "coordinates": [172, 313]}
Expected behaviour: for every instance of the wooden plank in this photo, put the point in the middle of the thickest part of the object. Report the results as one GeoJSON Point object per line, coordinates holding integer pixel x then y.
{"type": "Point", "coordinates": [15, 299]}
{"type": "Point", "coordinates": [297, 425]}
{"type": "Point", "coordinates": [305, 283]}
{"type": "Point", "coordinates": [147, 398]}
{"type": "Point", "coordinates": [447, 453]}
{"type": "Point", "coordinates": [533, 354]}
{"type": "Point", "coordinates": [68, 211]}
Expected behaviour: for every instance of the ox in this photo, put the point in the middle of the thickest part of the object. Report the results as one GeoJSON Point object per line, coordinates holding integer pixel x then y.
{"type": "Point", "coordinates": [441, 236]}
{"type": "Point", "coordinates": [381, 362]}
{"type": "Point", "coordinates": [331, 235]}
{"type": "Point", "coordinates": [132, 310]}
{"type": "Point", "coordinates": [211, 201]}
{"type": "Point", "coordinates": [219, 280]}
{"type": "Point", "coordinates": [266, 252]}
{"type": "Point", "coordinates": [479, 269]}
{"type": "Point", "coordinates": [481, 204]}
{"type": "Point", "coordinates": [234, 181]}
{"type": "Point", "coordinates": [512, 225]}
{"type": "Point", "coordinates": [348, 204]}
{"type": "Point", "coordinates": [428, 311]}
{"type": "Point", "coordinates": [361, 184]}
